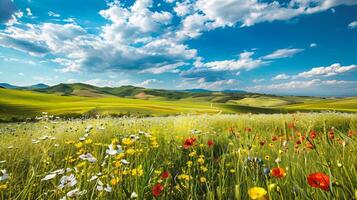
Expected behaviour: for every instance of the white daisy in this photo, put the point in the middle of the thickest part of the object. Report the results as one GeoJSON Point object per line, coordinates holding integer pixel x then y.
{"type": "Point", "coordinates": [88, 157]}
{"type": "Point", "coordinates": [67, 181]}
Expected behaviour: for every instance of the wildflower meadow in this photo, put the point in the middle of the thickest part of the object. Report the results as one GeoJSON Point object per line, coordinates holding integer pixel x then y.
{"type": "Point", "coordinates": [276, 156]}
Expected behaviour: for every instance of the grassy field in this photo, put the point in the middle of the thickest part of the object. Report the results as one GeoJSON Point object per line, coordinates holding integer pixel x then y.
{"type": "Point", "coordinates": [19, 105]}
{"type": "Point", "coordinates": [184, 157]}
{"type": "Point", "coordinates": [15, 103]}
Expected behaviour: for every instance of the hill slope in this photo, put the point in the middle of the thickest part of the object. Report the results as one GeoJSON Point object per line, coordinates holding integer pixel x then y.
{"type": "Point", "coordinates": [85, 90]}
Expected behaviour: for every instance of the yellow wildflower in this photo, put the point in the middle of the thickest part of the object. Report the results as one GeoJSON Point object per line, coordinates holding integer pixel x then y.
{"type": "Point", "coordinates": [203, 168]}
{"type": "Point", "coordinates": [127, 141]}
{"type": "Point", "coordinates": [192, 154]}
{"type": "Point", "coordinates": [257, 193]}
{"type": "Point", "coordinates": [201, 161]}
{"type": "Point", "coordinates": [189, 163]}
{"type": "Point", "coordinates": [88, 141]}
{"type": "Point", "coordinates": [203, 179]}
{"type": "Point", "coordinates": [3, 187]}
{"type": "Point", "coordinates": [114, 181]}
{"type": "Point", "coordinates": [79, 145]}
{"type": "Point", "coordinates": [130, 151]}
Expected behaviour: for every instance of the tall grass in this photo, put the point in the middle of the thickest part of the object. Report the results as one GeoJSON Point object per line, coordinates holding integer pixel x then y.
{"type": "Point", "coordinates": [241, 155]}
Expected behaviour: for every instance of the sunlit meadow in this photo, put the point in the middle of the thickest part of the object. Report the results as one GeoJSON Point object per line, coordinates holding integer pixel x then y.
{"type": "Point", "coordinates": [279, 156]}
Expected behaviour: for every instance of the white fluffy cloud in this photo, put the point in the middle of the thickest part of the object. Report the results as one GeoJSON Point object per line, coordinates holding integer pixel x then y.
{"type": "Point", "coordinates": [52, 14]}
{"type": "Point", "coordinates": [132, 40]}
{"type": "Point", "coordinates": [217, 85]}
{"type": "Point", "coordinates": [282, 53]}
{"type": "Point", "coordinates": [245, 62]}
{"type": "Point", "coordinates": [313, 45]}
{"type": "Point", "coordinates": [105, 83]}
{"type": "Point", "coordinates": [308, 87]}
{"type": "Point", "coordinates": [281, 77]}
{"type": "Point", "coordinates": [148, 82]}
{"type": "Point", "coordinates": [352, 25]}
{"type": "Point", "coordinates": [332, 70]}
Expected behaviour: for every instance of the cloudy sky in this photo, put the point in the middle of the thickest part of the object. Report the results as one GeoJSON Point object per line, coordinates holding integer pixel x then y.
{"type": "Point", "coordinates": [301, 47]}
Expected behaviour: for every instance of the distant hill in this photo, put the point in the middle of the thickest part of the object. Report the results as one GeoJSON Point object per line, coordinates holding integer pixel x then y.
{"type": "Point", "coordinates": [37, 86]}
{"type": "Point", "coordinates": [9, 86]}
{"type": "Point", "coordinates": [129, 91]}
{"type": "Point", "coordinates": [31, 87]}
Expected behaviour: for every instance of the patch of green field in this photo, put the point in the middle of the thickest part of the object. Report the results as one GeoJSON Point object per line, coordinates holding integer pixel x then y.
{"type": "Point", "coordinates": [23, 104]}
{"type": "Point", "coordinates": [262, 102]}
{"type": "Point", "coordinates": [19, 104]}
{"type": "Point", "coordinates": [343, 105]}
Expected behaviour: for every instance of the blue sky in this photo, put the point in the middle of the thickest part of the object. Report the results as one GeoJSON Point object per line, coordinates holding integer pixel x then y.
{"type": "Point", "coordinates": [299, 47]}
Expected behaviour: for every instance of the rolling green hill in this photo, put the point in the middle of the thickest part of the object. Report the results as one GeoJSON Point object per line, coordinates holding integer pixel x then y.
{"type": "Point", "coordinates": [28, 104]}
{"type": "Point", "coordinates": [85, 90]}
{"type": "Point", "coordinates": [82, 99]}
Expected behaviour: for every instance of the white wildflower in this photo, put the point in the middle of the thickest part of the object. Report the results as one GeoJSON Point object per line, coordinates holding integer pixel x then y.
{"type": "Point", "coordinates": [133, 195]}
{"type": "Point", "coordinates": [3, 175]}
{"type": "Point", "coordinates": [88, 157]}
{"type": "Point", "coordinates": [114, 150]}
{"type": "Point", "coordinates": [67, 181]}
{"type": "Point", "coordinates": [75, 193]}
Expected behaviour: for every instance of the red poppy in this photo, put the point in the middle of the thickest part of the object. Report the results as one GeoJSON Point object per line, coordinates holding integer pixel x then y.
{"type": "Point", "coordinates": [331, 134]}
{"type": "Point", "coordinates": [313, 134]}
{"type": "Point", "coordinates": [319, 180]}
{"type": "Point", "coordinates": [291, 125]}
{"type": "Point", "coordinates": [157, 189]}
{"type": "Point", "coordinates": [274, 138]}
{"type": "Point", "coordinates": [210, 143]}
{"type": "Point", "coordinates": [165, 175]}
{"type": "Point", "coordinates": [278, 172]}
{"type": "Point", "coordinates": [248, 129]}
{"type": "Point", "coordinates": [350, 133]}
{"type": "Point", "coordinates": [309, 145]}
{"type": "Point", "coordinates": [298, 142]}
{"type": "Point", "coordinates": [189, 142]}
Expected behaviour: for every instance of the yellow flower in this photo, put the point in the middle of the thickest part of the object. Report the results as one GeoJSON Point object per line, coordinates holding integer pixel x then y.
{"type": "Point", "coordinates": [154, 143]}
{"type": "Point", "coordinates": [185, 177]}
{"type": "Point", "coordinates": [88, 141]}
{"type": "Point", "coordinates": [137, 171]}
{"type": "Point", "coordinates": [3, 187]}
{"type": "Point", "coordinates": [232, 171]}
{"type": "Point", "coordinates": [189, 163]}
{"type": "Point", "coordinates": [117, 164]}
{"type": "Point", "coordinates": [70, 142]}
{"type": "Point", "coordinates": [203, 179]}
{"type": "Point", "coordinates": [130, 151]}
{"type": "Point", "coordinates": [127, 141]}
{"type": "Point", "coordinates": [267, 157]}
{"type": "Point", "coordinates": [271, 144]}
{"type": "Point", "coordinates": [192, 154]}
{"type": "Point", "coordinates": [272, 186]}
{"type": "Point", "coordinates": [201, 161]}
{"type": "Point", "coordinates": [203, 168]}
{"type": "Point", "coordinates": [257, 193]}
{"type": "Point", "coordinates": [202, 145]}
{"type": "Point", "coordinates": [114, 181]}
{"type": "Point", "coordinates": [120, 156]}
{"type": "Point", "coordinates": [79, 145]}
